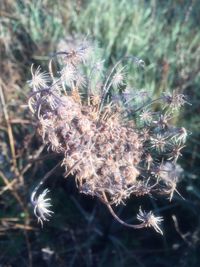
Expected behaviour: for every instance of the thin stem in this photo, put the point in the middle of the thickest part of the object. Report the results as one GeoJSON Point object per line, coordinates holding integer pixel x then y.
{"type": "Point", "coordinates": [43, 180]}
{"type": "Point", "coordinates": [105, 88]}
{"type": "Point", "coordinates": [10, 135]}
{"type": "Point", "coordinates": [105, 201]}
{"type": "Point", "coordinates": [146, 105]}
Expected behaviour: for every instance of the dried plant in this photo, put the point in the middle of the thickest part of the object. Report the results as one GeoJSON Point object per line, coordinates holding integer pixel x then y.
{"type": "Point", "coordinates": [115, 144]}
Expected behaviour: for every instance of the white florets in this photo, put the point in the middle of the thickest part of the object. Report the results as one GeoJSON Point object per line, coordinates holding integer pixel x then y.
{"type": "Point", "coordinates": [41, 206]}
{"type": "Point", "coordinates": [39, 79]}
{"type": "Point", "coordinates": [150, 220]}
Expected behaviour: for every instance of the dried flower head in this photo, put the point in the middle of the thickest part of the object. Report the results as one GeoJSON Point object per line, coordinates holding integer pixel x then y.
{"type": "Point", "coordinates": [75, 50]}
{"type": "Point", "coordinates": [146, 116]}
{"type": "Point", "coordinates": [180, 136]}
{"type": "Point", "coordinates": [174, 100]}
{"type": "Point", "coordinates": [170, 175]}
{"type": "Point", "coordinates": [158, 142]}
{"type": "Point", "coordinates": [68, 74]}
{"type": "Point", "coordinates": [118, 78]}
{"type": "Point", "coordinates": [39, 79]}
{"type": "Point", "coordinates": [116, 146]}
{"type": "Point", "coordinates": [148, 219]}
{"type": "Point", "coordinates": [41, 206]}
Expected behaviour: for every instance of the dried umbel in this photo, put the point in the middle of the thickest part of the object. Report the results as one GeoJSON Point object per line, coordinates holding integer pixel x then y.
{"type": "Point", "coordinates": [111, 139]}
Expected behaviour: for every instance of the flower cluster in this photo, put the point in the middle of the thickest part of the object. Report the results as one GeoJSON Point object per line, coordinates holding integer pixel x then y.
{"type": "Point", "coordinates": [113, 142]}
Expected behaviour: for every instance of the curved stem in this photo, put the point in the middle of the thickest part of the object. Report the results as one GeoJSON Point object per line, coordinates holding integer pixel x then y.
{"type": "Point", "coordinates": [135, 226]}
{"type": "Point", "coordinates": [43, 180]}
{"type": "Point", "coordinates": [105, 88]}
{"type": "Point", "coordinates": [148, 104]}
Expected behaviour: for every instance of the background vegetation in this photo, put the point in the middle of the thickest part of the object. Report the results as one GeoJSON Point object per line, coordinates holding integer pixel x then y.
{"type": "Point", "coordinates": [165, 34]}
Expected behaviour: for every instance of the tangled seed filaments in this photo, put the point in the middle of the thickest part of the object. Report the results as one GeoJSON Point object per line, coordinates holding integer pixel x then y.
{"type": "Point", "coordinates": [114, 144]}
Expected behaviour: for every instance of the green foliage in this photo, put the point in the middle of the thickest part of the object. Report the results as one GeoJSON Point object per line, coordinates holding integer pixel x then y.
{"type": "Point", "coordinates": [164, 36]}
{"type": "Point", "coordinates": [41, 20]}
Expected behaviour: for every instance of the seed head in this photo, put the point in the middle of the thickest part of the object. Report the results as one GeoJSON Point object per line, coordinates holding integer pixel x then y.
{"type": "Point", "coordinates": [146, 116]}
{"type": "Point", "coordinates": [39, 79]}
{"type": "Point", "coordinates": [114, 149]}
{"type": "Point", "coordinates": [148, 219]}
{"type": "Point", "coordinates": [41, 206]}
{"type": "Point", "coordinates": [180, 135]}
{"type": "Point", "coordinates": [174, 100]}
{"type": "Point", "coordinates": [118, 78]}
{"type": "Point", "coordinates": [68, 74]}
{"type": "Point", "coordinates": [158, 142]}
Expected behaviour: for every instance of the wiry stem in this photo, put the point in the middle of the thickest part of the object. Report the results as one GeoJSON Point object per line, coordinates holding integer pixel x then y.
{"type": "Point", "coordinates": [105, 201]}
{"type": "Point", "coordinates": [106, 88]}
{"type": "Point", "coordinates": [44, 179]}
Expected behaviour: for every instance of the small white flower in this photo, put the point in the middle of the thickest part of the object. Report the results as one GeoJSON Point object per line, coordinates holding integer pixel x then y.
{"type": "Point", "coordinates": [118, 78]}
{"type": "Point", "coordinates": [80, 80]}
{"type": "Point", "coordinates": [146, 116]}
{"type": "Point", "coordinates": [68, 74]}
{"type": "Point", "coordinates": [42, 204]}
{"type": "Point", "coordinates": [170, 175]}
{"type": "Point", "coordinates": [174, 100]}
{"type": "Point", "coordinates": [158, 142]}
{"type": "Point", "coordinates": [148, 219]}
{"type": "Point", "coordinates": [180, 136]}
{"type": "Point", "coordinates": [39, 79]}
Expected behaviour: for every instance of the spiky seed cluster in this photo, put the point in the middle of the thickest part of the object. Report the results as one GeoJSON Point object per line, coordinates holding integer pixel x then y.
{"type": "Point", "coordinates": [150, 220]}
{"type": "Point", "coordinates": [41, 206]}
{"type": "Point", "coordinates": [110, 155]}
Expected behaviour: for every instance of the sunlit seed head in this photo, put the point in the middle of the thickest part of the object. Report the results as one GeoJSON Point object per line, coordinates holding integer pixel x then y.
{"type": "Point", "coordinates": [180, 136]}
{"type": "Point", "coordinates": [80, 80]}
{"type": "Point", "coordinates": [118, 78]}
{"type": "Point", "coordinates": [146, 116]}
{"type": "Point", "coordinates": [39, 79]}
{"type": "Point", "coordinates": [148, 219]}
{"type": "Point", "coordinates": [41, 207]}
{"type": "Point", "coordinates": [158, 142]}
{"type": "Point", "coordinates": [68, 74]}
{"type": "Point", "coordinates": [174, 100]}
{"type": "Point", "coordinates": [103, 142]}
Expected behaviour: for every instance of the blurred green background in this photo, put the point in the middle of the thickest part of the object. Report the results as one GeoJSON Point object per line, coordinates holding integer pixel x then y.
{"type": "Point", "coordinates": [165, 34]}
